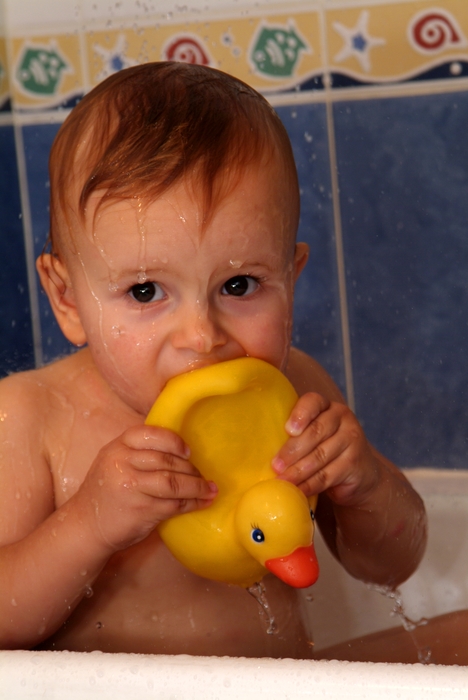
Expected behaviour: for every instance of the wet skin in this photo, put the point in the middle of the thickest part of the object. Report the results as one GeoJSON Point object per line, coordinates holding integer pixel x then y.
{"type": "Point", "coordinates": [149, 291]}
{"type": "Point", "coordinates": [154, 291]}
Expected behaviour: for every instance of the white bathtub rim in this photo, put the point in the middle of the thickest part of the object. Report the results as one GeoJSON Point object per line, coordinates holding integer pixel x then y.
{"type": "Point", "coordinates": [77, 675]}
{"type": "Point", "coordinates": [427, 481]}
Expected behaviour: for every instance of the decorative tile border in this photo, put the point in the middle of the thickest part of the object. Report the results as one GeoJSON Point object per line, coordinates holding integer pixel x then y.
{"type": "Point", "coordinates": [46, 72]}
{"type": "Point", "coordinates": [397, 42]}
{"type": "Point", "coordinates": [274, 53]}
{"type": "Point", "coordinates": [356, 43]}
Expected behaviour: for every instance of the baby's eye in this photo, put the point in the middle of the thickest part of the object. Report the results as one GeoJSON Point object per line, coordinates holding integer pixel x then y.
{"type": "Point", "coordinates": [146, 292]}
{"type": "Point", "coordinates": [240, 286]}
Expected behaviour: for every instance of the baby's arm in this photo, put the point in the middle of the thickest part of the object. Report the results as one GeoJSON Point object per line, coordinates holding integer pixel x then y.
{"type": "Point", "coordinates": [49, 558]}
{"type": "Point", "coordinates": [370, 516]}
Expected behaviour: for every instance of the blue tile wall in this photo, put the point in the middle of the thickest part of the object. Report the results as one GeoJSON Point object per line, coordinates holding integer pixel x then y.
{"type": "Point", "coordinates": [403, 176]}
{"type": "Point", "coordinates": [317, 328]}
{"type": "Point", "coordinates": [403, 172]}
{"type": "Point", "coordinates": [16, 344]}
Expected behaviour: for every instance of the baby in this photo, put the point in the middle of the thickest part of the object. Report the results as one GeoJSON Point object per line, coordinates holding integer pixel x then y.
{"type": "Point", "coordinates": [174, 210]}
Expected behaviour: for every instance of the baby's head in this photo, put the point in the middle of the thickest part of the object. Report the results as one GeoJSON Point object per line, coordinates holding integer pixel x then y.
{"type": "Point", "coordinates": [146, 128]}
{"type": "Point", "coordinates": [174, 208]}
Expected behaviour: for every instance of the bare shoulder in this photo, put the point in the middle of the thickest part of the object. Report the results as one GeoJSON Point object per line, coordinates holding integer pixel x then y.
{"type": "Point", "coordinates": [31, 404]}
{"type": "Point", "coordinates": [306, 374]}
{"type": "Point", "coordinates": [25, 480]}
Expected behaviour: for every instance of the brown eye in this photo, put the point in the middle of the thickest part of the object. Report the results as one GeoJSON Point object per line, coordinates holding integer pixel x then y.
{"type": "Point", "coordinates": [240, 286]}
{"type": "Point", "coordinates": [146, 292]}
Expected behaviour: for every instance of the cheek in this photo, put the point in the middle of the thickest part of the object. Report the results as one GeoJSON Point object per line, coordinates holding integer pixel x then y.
{"type": "Point", "coordinates": [268, 336]}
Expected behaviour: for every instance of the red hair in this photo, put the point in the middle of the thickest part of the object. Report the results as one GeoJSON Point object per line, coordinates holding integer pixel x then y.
{"type": "Point", "coordinates": [145, 128]}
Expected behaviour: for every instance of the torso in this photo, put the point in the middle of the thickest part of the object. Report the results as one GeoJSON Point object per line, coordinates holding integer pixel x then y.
{"type": "Point", "coordinates": [144, 601]}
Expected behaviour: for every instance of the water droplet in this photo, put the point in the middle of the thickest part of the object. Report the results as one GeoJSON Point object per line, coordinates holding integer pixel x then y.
{"type": "Point", "coordinates": [142, 277]}
{"type": "Point", "coordinates": [408, 624]}
{"type": "Point", "coordinates": [99, 625]}
{"type": "Point", "coordinates": [113, 287]}
{"type": "Point", "coordinates": [88, 592]}
{"type": "Point", "coordinates": [424, 655]}
{"type": "Point", "coordinates": [83, 572]}
{"type": "Point", "coordinates": [115, 331]}
{"type": "Point", "coordinates": [257, 591]}
{"type": "Point", "coordinates": [14, 603]}
{"type": "Point", "coordinates": [235, 263]}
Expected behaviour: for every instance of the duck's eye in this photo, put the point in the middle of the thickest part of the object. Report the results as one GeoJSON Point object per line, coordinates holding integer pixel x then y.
{"type": "Point", "coordinates": [146, 292]}
{"type": "Point", "coordinates": [257, 535]}
{"type": "Point", "coordinates": [312, 515]}
{"type": "Point", "coordinates": [240, 286]}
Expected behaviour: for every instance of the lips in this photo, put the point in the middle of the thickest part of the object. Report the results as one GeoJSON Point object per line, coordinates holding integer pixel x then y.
{"type": "Point", "coordinates": [299, 569]}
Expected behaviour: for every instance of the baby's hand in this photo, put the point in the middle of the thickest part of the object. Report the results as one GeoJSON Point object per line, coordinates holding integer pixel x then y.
{"type": "Point", "coordinates": [138, 480]}
{"type": "Point", "coordinates": [327, 451]}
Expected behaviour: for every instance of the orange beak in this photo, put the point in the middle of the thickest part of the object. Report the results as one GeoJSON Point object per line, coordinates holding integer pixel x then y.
{"type": "Point", "coordinates": [300, 569]}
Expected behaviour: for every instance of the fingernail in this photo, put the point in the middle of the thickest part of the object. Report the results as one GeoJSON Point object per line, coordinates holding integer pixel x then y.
{"type": "Point", "coordinates": [293, 427]}
{"type": "Point", "coordinates": [212, 486]}
{"type": "Point", "coordinates": [187, 451]}
{"type": "Point", "coordinates": [278, 465]}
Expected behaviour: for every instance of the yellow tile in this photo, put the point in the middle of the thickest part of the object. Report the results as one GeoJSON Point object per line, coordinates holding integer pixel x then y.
{"type": "Point", "coordinates": [395, 41]}
{"type": "Point", "coordinates": [46, 70]}
{"type": "Point", "coordinates": [271, 53]}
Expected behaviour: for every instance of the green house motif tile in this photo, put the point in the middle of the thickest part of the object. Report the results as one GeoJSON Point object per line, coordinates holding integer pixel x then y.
{"type": "Point", "coordinates": [276, 51]}
{"type": "Point", "coordinates": [40, 70]}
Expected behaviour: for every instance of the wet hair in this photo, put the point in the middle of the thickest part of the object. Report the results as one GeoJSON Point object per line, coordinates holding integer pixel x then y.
{"type": "Point", "coordinates": [147, 127]}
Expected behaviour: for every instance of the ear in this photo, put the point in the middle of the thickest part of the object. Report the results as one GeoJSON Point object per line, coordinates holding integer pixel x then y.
{"type": "Point", "coordinates": [57, 285]}
{"type": "Point", "coordinates": [301, 255]}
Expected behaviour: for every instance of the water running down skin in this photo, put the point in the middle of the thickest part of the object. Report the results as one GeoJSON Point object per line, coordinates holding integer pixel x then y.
{"type": "Point", "coordinates": [85, 483]}
{"type": "Point", "coordinates": [82, 526]}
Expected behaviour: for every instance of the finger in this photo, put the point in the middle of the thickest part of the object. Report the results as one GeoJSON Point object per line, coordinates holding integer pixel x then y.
{"type": "Point", "coordinates": [164, 509]}
{"type": "Point", "coordinates": [318, 464]}
{"type": "Point", "coordinates": [296, 448]}
{"type": "Point", "coordinates": [306, 410]}
{"type": "Point", "coordinates": [169, 485]}
{"type": "Point", "coordinates": [153, 460]}
{"type": "Point", "coordinates": [150, 437]}
{"type": "Point", "coordinates": [337, 479]}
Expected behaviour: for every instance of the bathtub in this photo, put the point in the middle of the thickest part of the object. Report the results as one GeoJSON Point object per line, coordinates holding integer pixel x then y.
{"type": "Point", "coordinates": [340, 608]}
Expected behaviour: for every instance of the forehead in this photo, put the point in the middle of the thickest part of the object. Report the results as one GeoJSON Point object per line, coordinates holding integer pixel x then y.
{"type": "Point", "coordinates": [247, 202]}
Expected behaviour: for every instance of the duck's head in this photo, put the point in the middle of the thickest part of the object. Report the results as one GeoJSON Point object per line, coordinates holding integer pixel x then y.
{"type": "Point", "coordinates": [274, 523]}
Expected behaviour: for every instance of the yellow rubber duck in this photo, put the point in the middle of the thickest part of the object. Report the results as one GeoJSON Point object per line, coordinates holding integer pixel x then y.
{"type": "Point", "coordinates": [232, 415]}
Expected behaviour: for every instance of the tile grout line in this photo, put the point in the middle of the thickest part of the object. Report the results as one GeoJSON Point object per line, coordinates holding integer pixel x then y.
{"type": "Point", "coordinates": [29, 247]}
{"type": "Point", "coordinates": [338, 230]}
{"type": "Point", "coordinates": [84, 53]}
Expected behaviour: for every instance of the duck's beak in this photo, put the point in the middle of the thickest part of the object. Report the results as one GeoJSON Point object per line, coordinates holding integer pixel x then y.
{"type": "Point", "coordinates": [300, 569]}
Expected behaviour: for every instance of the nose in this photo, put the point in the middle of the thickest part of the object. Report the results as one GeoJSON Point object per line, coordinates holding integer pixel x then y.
{"type": "Point", "coordinates": [198, 329]}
